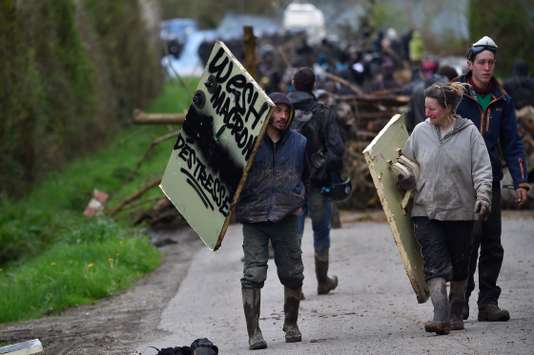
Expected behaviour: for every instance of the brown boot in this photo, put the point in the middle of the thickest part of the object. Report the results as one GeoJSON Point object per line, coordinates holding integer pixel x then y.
{"type": "Point", "coordinates": [492, 313]}
{"type": "Point", "coordinates": [456, 305]}
{"type": "Point", "coordinates": [291, 310]}
{"type": "Point", "coordinates": [325, 283]}
{"type": "Point", "coordinates": [440, 328]}
{"type": "Point", "coordinates": [438, 295]}
{"type": "Point", "coordinates": [251, 307]}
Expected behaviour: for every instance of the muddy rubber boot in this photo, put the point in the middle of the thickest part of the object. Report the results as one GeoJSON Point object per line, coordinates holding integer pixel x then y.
{"type": "Point", "coordinates": [325, 283]}
{"type": "Point", "coordinates": [465, 309]}
{"type": "Point", "coordinates": [492, 313]}
{"type": "Point", "coordinates": [302, 297]}
{"type": "Point", "coordinates": [291, 311]}
{"type": "Point", "coordinates": [456, 305]}
{"type": "Point", "coordinates": [438, 295]}
{"type": "Point", "coordinates": [251, 307]}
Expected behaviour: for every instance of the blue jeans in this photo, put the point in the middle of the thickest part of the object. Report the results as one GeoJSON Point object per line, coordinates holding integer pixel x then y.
{"type": "Point", "coordinates": [319, 208]}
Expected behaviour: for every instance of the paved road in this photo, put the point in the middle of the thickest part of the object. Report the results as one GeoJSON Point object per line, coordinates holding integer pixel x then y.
{"type": "Point", "coordinates": [374, 309]}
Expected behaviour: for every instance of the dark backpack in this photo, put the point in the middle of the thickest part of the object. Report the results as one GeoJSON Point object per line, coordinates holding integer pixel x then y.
{"type": "Point", "coordinates": [313, 124]}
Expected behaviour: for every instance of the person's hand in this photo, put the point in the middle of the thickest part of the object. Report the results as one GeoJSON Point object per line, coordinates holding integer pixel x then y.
{"type": "Point", "coordinates": [482, 209]}
{"type": "Point", "coordinates": [521, 196]}
{"type": "Point", "coordinates": [405, 171]}
{"type": "Point", "coordinates": [406, 182]}
{"type": "Point", "coordinates": [298, 211]}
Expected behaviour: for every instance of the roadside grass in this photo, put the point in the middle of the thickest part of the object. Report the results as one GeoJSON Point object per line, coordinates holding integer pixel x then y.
{"type": "Point", "coordinates": [51, 257]}
{"type": "Point", "coordinates": [96, 260]}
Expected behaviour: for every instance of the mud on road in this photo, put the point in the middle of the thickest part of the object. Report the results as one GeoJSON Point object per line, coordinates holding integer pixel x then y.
{"type": "Point", "coordinates": [115, 325]}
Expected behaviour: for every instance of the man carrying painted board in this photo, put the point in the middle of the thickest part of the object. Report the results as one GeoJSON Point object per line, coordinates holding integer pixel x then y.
{"type": "Point", "coordinates": [271, 199]}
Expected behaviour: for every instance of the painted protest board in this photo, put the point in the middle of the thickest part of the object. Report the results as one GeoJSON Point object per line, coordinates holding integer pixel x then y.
{"type": "Point", "coordinates": [216, 146]}
{"type": "Point", "coordinates": [379, 155]}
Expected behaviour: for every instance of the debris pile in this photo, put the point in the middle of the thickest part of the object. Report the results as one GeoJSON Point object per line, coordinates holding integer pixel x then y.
{"type": "Point", "coordinates": [366, 81]}
{"type": "Point", "coordinates": [525, 118]}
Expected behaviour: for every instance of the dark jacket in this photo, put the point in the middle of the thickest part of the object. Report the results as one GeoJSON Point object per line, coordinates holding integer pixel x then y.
{"type": "Point", "coordinates": [521, 89]}
{"type": "Point", "coordinates": [498, 126]}
{"type": "Point", "coordinates": [275, 183]}
{"type": "Point", "coordinates": [325, 148]}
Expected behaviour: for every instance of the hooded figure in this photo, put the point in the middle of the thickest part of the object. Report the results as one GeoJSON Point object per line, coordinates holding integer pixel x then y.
{"type": "Point", "coordinates": [271, 199]}
{"type": "Point", "coordinates": [452, 189]}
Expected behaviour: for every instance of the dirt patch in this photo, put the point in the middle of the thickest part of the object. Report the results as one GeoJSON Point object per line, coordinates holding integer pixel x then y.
{"type": "Point", "coordinates": [116, 325]}
{"type": "Point", "coordinates": [349, 217]}
{"type": "Point", "coordinates": [518, 214]}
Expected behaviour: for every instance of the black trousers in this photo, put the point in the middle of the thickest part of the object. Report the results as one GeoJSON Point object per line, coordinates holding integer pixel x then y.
{"type": "Point", "coordinates": [487, 238]}
{"type": "Point", "coordinates": [445, 247]}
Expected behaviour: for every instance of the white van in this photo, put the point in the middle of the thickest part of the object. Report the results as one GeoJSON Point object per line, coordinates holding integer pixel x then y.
{"type": "Point", "coordinates": [305, 17]}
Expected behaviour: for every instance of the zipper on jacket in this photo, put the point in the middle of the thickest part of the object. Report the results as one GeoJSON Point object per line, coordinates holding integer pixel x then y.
{"type": "Point", "coordinates": [273, 179]}
{"type": "Point", "coordinates": [484, 117]}
{"type": "Point", "coordinates": [488, 111]}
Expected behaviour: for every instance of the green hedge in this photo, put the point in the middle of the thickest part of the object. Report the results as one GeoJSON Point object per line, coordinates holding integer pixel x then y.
{"type": "Point", "coordinates": [71, 74]}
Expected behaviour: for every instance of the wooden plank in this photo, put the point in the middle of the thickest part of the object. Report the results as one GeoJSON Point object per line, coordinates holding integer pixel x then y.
{"type": "Point", "coordinates": [141, 117]}
{"type": "Point", "coordinates": [25, 348]}
{"type": "Point", "coordinates": [216, 146]}
{"type": "Point", "coordinates": [249, 42]}
{"type": "Point", "coordinates": [379, 154]}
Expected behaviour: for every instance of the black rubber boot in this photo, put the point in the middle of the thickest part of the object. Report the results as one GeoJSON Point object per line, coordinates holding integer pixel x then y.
{"type": "Point", "coordinates": [438, 295]}
{"type": "Point", "coordinates": [456, 305]}
{"type": "Point", "coordinates": [291, 311]}
{"type": "Point", "coordinates": [325, 283]}
{"type": "Point", "coordinates": [492, 313]}
{"type": "Point", "coordinates": [465, 310]}
{"type": "Point", "coordinates": [251, 307]}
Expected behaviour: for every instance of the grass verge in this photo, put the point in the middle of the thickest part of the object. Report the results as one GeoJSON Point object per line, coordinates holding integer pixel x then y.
{"type": "Point", "coordinates": [51, 256]}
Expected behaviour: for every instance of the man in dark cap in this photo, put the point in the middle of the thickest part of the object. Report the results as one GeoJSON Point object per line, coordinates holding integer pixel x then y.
{"type": "Point", "coordinates": [491, 109]}
{"type": "Point", "coordinates": [324, 155]}
{"type": "Point", "coordinates": [416, 106]}
{"type": "Point", "coordinates": [272, 198]}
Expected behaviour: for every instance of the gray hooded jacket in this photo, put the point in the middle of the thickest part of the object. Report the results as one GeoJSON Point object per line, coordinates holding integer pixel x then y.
{"type": "Point", "coordinates": [455, 170]}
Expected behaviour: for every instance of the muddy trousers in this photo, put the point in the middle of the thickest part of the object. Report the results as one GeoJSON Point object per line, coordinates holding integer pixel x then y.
{"type": "Point", "coordinates": [445, 247]}
{"type": "Point", "coordinates": [287, 253]}
{"type": "Point", "coordinates": [487, 239]}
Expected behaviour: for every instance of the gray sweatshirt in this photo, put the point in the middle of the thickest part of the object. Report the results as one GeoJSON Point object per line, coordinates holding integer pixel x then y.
{"type": "Point", "coordinates": [455, 170]}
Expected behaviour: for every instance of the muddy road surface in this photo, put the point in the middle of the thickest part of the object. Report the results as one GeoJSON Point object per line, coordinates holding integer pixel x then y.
{"type": "Point", "coordinates": [196, 293]}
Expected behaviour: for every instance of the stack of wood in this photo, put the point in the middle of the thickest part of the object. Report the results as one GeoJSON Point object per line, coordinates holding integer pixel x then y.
{"type": "Point", "coordinates": [525, 117]}
{"type": "Point", "coordinates": [363, 119]}
{"type": "Point", "coordinates": [360, 118]}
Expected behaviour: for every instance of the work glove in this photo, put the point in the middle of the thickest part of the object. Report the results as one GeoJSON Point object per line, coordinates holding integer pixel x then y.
{"type": "Point", "coordinates": [482, 209]}
{"type": "Point", "coordinates": [406, 171]}
{"type": "Point", "coordinates": [406, 182]}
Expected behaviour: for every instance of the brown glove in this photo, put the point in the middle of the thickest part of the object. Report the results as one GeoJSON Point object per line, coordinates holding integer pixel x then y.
{"type": "Point", "coordinates": [482, 209]}
{"type": "Point", "coordinates": [406, 172]}
{"type": "Point", "coordinates": [406, 182]}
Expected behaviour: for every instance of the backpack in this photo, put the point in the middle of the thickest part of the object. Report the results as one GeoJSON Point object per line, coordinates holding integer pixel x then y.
{"type": "Point", "coordinates": [313, 124]}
